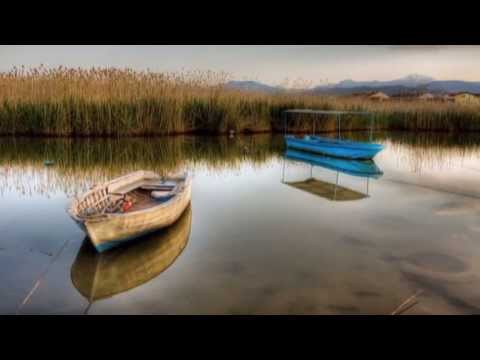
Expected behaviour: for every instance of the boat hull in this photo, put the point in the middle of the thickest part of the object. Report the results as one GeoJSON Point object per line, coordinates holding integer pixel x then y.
{"type": "Point", "coordinates": [115, 230]}
{"type": "Point", "coordinates": [335, 148]}
{"type": "Point", "coordinates": [366, 168]}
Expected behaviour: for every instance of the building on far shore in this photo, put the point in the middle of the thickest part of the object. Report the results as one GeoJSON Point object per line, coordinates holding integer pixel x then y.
{"type": "Point", "coordinates": [467, 98]}
{"type": "Point", "coordinates": [447, 98]}
{"type": "Point", "coordinates": [427, 97]}
{"type": "Point", "coordinates": [379, 96]}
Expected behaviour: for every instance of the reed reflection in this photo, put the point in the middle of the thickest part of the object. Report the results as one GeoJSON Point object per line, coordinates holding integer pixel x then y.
{"type": "Point", "coordinates": [77, 164]}
{"type": "Point", "coordinates": [80, 163]}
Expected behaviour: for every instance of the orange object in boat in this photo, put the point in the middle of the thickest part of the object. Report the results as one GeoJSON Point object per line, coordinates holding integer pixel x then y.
{"type": "Point", "coordinates": [127, 206]}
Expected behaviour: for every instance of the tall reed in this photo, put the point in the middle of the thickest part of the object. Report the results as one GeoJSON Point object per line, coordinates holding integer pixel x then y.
{"type": "Point", "coordinates": [125, 102]}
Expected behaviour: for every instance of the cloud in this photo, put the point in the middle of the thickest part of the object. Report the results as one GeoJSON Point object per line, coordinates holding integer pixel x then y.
{"type": "Point", "coordinates": [419, 48]}
{"type": "Point", "coordinates": [429, 48]}
{"type": "Point", "coordinates": [267, 63]}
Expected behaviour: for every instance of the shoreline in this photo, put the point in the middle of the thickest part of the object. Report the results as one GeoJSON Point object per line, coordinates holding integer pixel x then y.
{"type": "Point", "coordinates": [203, 133]}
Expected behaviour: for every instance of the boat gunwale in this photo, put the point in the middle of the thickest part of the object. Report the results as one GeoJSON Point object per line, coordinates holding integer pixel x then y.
{"type": "Point", "coordinates": [320, 139]}
{"type": "Point", "coordinates": [343, 141]}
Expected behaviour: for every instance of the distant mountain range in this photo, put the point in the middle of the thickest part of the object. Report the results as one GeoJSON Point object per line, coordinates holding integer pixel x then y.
{"type": "Point", "coordinates": [411, 84]}
{"type": "Point", "coordinates": [408, 81]}
{"type": "Point", "coordinates": [253, 86]}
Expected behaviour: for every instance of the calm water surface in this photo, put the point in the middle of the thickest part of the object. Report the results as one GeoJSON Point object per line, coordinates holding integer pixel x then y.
{"type": "Point", "coordinates": [249, 243]}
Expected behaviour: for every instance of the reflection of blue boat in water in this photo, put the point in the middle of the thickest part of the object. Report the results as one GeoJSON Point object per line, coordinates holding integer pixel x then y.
{"type": "Point", "coordinates": [365, 169]}
{"type": "Point", "coordinates": [350, 167]}
{"type": "Point", "coordinates": [334, 147]}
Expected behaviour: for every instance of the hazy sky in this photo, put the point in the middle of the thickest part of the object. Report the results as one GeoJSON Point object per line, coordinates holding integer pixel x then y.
{"type": "Point", "coordinates": [267, 63]}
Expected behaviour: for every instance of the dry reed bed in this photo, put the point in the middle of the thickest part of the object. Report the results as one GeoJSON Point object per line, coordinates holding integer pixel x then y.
{"type": "Point", "coordinates": [124, 102]}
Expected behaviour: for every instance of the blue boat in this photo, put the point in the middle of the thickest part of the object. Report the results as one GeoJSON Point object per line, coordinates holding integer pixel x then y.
{"type": "Point", "coordinates": [357, 168]}
{"type": "Point", "coordinates": [334, 147]}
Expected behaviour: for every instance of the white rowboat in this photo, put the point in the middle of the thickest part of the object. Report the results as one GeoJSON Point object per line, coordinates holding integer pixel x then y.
{"type": "Point", "coordinates": [131, 206]}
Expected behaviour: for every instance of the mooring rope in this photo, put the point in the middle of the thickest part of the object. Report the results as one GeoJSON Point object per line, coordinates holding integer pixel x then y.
{"type": "Point", "coordinates": [85, 312]}
{"type": "Point", "coordinates": [39, 280]}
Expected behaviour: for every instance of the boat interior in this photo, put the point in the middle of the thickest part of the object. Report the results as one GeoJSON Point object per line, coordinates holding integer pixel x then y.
{"type": "Point", "coordinates": [129, 197]}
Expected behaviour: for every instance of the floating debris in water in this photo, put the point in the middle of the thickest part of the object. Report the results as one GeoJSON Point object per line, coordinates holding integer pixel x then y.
{"type": "Point", "coordinates": [42, 252]}
{"type": "Point", "coordinates": [407, 304]}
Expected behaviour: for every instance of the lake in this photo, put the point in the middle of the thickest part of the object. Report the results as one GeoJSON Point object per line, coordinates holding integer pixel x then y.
{"type": "Point", "coordinates": [250, 243]}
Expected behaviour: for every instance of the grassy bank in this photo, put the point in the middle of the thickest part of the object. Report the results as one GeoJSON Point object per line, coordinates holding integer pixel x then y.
{"type": "Point", "coordinates": [112, 102]}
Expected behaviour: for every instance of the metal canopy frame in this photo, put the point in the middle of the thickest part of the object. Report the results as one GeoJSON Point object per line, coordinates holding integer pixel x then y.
{"type": "Point", "coordinates": [337, 114]}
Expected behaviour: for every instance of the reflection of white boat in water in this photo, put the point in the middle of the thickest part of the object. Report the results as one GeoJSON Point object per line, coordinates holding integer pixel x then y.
{"type": "Point", "coordinates": [334, 192]}
{"type": "Point", "coordinates": [98, 276]}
